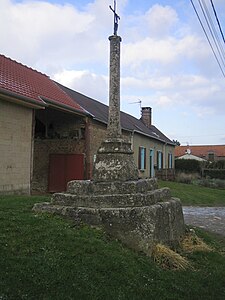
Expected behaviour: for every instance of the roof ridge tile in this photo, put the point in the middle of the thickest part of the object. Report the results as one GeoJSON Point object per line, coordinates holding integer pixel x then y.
{"type": "Point", "coordinates": [23, 65]}
{"type": "Point", "coordinates": [22, 80]}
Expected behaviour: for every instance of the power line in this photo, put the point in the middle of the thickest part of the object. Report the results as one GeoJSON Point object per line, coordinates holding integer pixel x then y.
{"type": "Point", "coordinates": [218, 22]}
{"type": "Point", "coordinates": [203, 28]}
{"type": "Point", "coordinates": [213, 32]}
{"type": "Point", "coordinates": [191, 136]}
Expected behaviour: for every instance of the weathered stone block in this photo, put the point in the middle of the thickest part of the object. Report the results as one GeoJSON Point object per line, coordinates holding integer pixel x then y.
{"type": "Point", "coordinates": [141, 227]}
{"type": "Point", "coordinates": [115, 162]}
{"type": "Point", "coordinates": [88, 187]}
{"type": "Point", "coordinates": [114, 200]}
{"type": "Point", "coordinates": [137, 227]}
{"type": "Point", "coordinates": [118, 166]}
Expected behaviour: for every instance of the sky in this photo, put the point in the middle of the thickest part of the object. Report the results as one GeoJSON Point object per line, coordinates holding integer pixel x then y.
{"type": "Point", "coordinates": [166, 60]}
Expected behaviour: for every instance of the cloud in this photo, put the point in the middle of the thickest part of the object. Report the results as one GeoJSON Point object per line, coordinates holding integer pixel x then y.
{"type": "Point", "coordinates": [205, 112]}
{"type": "Point", "coordinates": [165, 59]}
{"type": "Point", "coordinates": [157, 22]}
{"type": "Point", "coordinates": [149, 83]}
{"type": "Point", "coordinates": [90, 84]}
{"type": "Point", "coordinates": [170, 52]}
{"type": "Point", "coordinates": [164, 100]}
{"type": "Point", "coordinates": [185, 91]}
{"type": "Point", "coordinates": [50, 36]}
{"type": "Point", "coordinates": [160, 20]}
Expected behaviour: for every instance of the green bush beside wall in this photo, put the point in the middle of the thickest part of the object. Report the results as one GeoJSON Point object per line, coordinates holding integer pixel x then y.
{"type": "Point", "coordinates": [188, 165]}
{"type": "Point", "coordinates": [214, 173]}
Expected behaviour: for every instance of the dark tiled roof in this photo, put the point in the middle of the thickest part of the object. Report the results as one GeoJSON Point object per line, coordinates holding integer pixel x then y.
{"type": "Point", "coordinates": [201, 151]}
{"type": "Point", "coordinates": [20, 80]}
{"type": "Point", "coordinates": [99, 111]}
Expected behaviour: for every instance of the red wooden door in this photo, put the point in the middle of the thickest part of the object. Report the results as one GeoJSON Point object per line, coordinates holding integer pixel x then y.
{"type": "Point", "coordinates": [64, 168]}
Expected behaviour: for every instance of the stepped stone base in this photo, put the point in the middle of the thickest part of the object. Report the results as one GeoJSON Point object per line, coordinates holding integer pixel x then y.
{"type": "Point", "coordinates": [135, 212]}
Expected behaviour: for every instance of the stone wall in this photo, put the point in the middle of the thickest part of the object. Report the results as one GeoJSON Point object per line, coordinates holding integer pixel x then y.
{"type": "Point", "coordinates": [56, 132]}
{"type": "Point", "coordinates": [15, 148]}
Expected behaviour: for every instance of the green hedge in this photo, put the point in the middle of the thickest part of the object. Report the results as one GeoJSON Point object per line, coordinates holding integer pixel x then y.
{"type": "Point", "coordinates": [206, 169]}
{"type": "Point", "coordinates": [188, 165]}
{"type": "Point", "coordinates": [218, 164]}
{"type": "Point", "coordinates": [214, 173]}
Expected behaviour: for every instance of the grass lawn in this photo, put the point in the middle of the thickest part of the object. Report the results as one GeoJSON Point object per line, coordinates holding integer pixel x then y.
{"type": "Point", "coordinates": [190, 194]}
{"type": "Point", "coordinates": [46, 257]}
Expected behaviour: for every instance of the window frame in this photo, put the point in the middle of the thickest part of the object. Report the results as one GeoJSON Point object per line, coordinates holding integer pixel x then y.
{"type": "Point", "coordinates": [170, 161]}
{"type": "Point", "coordinates": [211, 156]}
{"type": "Point", "coordinates": [159, 160]}
{"type": "Point", "coordinates": [142, 158]}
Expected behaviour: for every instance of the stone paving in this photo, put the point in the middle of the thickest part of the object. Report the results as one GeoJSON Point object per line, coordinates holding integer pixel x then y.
{"type": "Point", "coordinates": [209, 218]}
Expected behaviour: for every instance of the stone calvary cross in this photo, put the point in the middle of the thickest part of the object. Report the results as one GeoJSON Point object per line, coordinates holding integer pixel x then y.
{"type": "Point", "coordinates": [116, 17]}
{"type": "Point", "coordinates": [114, 159]}
{"type": "Point", "coordinates": [135, 211]}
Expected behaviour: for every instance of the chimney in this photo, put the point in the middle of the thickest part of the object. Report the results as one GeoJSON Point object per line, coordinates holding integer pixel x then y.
{"type": "Point", "coordinates": [146, 116]}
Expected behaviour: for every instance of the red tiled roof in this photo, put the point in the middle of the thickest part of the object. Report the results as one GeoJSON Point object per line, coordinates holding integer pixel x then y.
{"type": "Point", "coordinates": [21, 80]}
{"type": "Point", "coordinates": [201, 151]}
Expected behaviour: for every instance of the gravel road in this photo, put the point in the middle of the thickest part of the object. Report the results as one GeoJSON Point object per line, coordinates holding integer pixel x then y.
{"type": "Point", "coordinates": [209, 218]}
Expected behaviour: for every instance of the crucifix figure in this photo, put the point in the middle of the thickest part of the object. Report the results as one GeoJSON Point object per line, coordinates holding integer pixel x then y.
{"type": "Point", "coordinates": [116, 17]}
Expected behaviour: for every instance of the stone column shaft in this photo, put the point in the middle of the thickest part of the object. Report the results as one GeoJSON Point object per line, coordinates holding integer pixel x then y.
{"type": "Point", "coordinates": [114, 127]}
{"type": "Point", "coordinates": [114, 160]}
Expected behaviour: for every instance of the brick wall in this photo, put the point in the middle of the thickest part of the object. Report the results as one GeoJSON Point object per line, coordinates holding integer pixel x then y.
{"type": "Point", "coordinates": [165, 174]}
{"type": "Point", "coordinates": [15, 148]}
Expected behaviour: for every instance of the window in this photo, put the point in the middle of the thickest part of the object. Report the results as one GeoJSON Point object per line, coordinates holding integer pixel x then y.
{"type": "Point", "coordinates": [142, 158]}
{"type": "Point", "coordinates": [159, 160]}
{"type": "Point", "coordinates": [211, 156]}
{"type": "Point", "coordinates": [170, 161]}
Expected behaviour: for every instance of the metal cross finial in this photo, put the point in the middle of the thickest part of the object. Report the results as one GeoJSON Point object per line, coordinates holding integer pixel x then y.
{"type": "Point", "coordinates": [116, 17]}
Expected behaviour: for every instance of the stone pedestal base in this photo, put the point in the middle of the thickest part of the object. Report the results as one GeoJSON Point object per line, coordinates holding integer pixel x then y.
{"type": "Point", "coordinates": [115, 161]}
{"type": "Point", "coordinates": [135, 212]}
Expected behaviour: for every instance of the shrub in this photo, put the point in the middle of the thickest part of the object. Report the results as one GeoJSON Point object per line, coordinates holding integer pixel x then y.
{"type": "Point", "coordinates": [220, 183]}
{"type": "Point", "coordinates": [219, 164]}
{"type": "Point", "coordinates": [212, 183]}
{"type": "Point", "coordinates": [186, 178]}
{"type": "Point", "coordinates": [214, 173]}
{"type": "Point", "coordinates": [188, 165]}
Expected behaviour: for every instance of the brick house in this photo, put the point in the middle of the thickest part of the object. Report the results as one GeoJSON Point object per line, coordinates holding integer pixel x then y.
{"type": "Point", "coordinates": [153, 151]}
{"type": "Point", "coordinates": [31, 105]}
{"type": "Point", "coordinates": [50, 134]}
{"type": "Point", "coordinates": [205, 152]}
